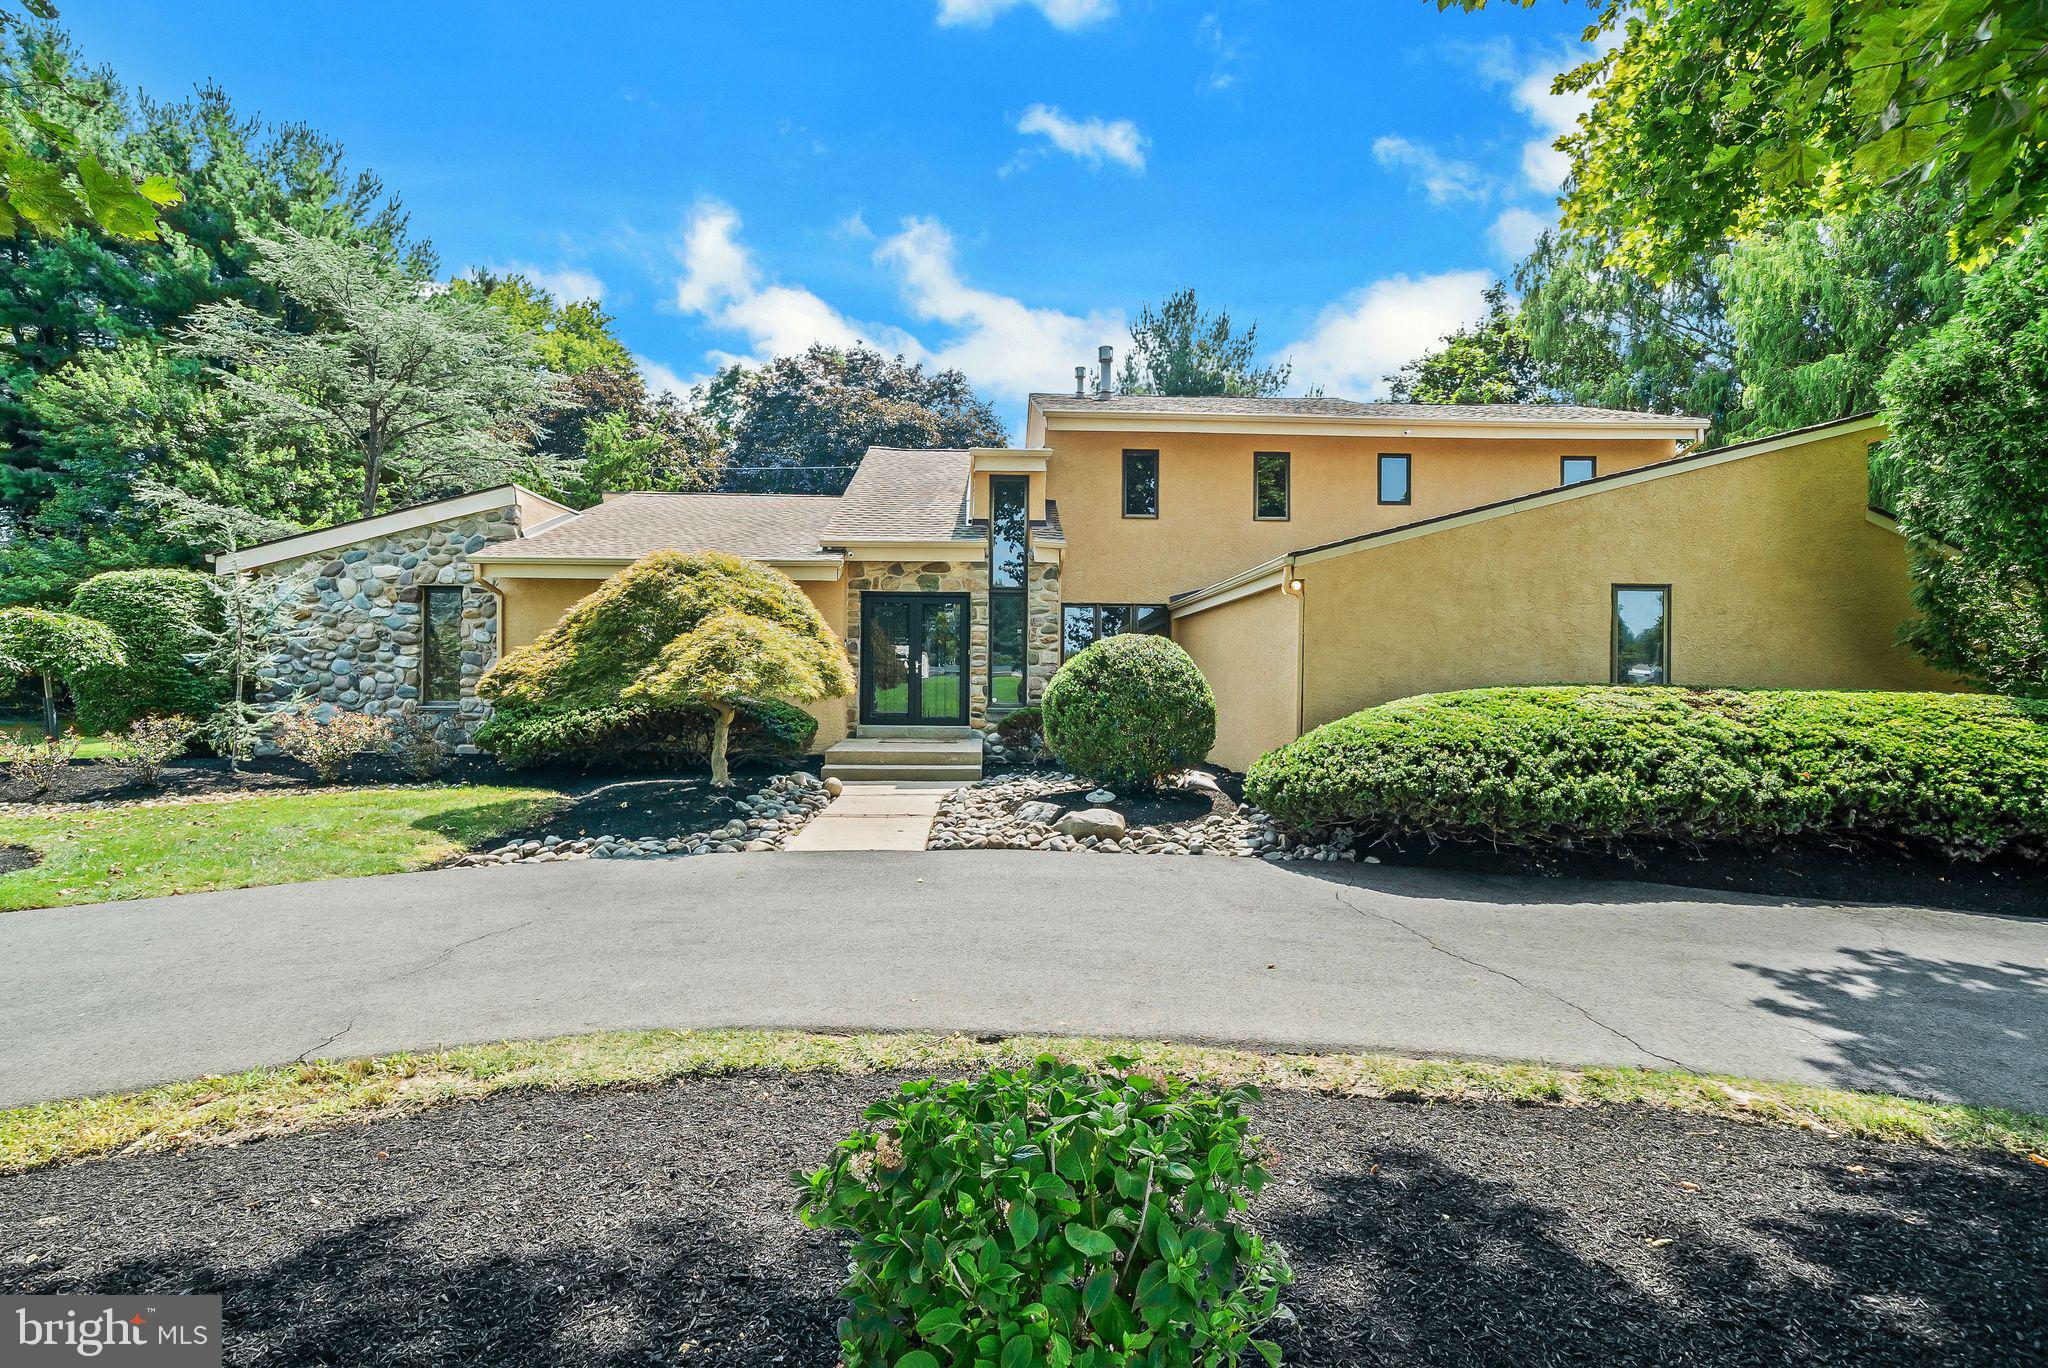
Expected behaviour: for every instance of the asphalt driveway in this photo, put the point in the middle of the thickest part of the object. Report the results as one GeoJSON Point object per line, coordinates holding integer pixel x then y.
{"type": "Point", "coordinates": [1940, 1004]}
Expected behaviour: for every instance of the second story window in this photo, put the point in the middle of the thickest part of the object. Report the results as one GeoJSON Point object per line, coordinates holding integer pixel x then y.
{"type": "Point", "coordinates": [1270, 494]}
{"type": "Point", "coordinates": [1141, 484]}
{"type": "Point", "coordinates": [1394, 486]}
{"type": "Point", "coordinates": [1575, 470]}
{"type": "Point", "coordinates": [1007, 534]}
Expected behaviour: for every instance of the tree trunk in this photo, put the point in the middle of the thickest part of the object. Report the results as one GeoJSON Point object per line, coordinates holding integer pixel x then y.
{"type": "Point", "coordinates": [373, 470]}
{"type": "Point", "coordinates": [50, 707]}
{"type": "Point", "coordinates": [721, 728]}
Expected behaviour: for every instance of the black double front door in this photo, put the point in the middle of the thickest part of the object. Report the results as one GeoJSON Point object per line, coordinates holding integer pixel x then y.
{"type": "Point", "coordinates": [913, 659]}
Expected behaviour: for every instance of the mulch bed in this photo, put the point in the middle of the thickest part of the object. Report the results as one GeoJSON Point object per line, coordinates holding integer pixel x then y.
{"type": "Point", "coordinates": [655, 1226]}
{"type": "Point", "coordinates": [645, 806]}
{"type": "Point", "coordinates": [1163, 808]}
{"type": "Point", "coordinates": [1873, 872]}
{"type": "Point", "coordinates": [14, 857]}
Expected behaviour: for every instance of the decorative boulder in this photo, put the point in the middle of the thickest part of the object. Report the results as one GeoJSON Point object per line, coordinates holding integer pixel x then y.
{"type": "Point", "coordinates": [1106, 823]}
{"type": "Point", "coordinates": [1039, 811]}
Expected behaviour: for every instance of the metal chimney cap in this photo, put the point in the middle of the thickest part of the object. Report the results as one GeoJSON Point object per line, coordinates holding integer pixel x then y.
{"type": "Point", "coordinates": [1105, 352]}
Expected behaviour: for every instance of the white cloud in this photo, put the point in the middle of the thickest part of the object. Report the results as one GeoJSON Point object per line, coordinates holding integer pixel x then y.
{"type": "Point", "coordinates": [1554, 115]}
{"type": "Point", "coordinates": [664, 379]}
{"type": "Point", "coordinates": [721, 284]}
{"type": "Point", "coordinates": [1093, 140]}
{"type": "Point", "coordinates": [1063, 14]}
{"type": "Point", "coordinates": [1378, 329]}
{"type": "Point", "coordinates": [1001, 344]}
{"type": "Point", "coordinates": [1443, 179]}
{"type": "Point", "coordinates": [1210, 37]}
{"type": "Point", "coordinates": [568, 284]}
{"type": "Point", "coordinates": [855, 227]}
{"type": "Point", "coordinates": [1515, 231]}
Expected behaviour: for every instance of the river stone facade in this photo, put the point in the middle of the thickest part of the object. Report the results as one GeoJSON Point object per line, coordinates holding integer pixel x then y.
{"type": "Point", "coordinates": [1041, 620]}
{"type": "Point", "coordinates": [352, 622]}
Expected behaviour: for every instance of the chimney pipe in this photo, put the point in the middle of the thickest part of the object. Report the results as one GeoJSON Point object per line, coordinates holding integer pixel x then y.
{"type": "Point", "coordinates": [1105, 355]}
{"type": "Point", "coordinates": [1080, 381]}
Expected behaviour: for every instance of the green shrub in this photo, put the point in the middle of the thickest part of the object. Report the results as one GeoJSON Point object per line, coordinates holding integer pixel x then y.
{"type": "Point", "coordinates": [150, 743]}
{"type": "Point", "coordinates": [1570, 766]}
{"type": "Point", "coordinates": [764, 731]}
{"type": "Point", "coordinates": [1021, 725]}
{"type": "Point", "coordinates": [160, 617]}
{"type": "Point", "coordinates": [1128, 711]}
{"type": "Point", "coordinates": [630, 667]}
{"type": "Point", "coordinates": [1051, 1217]}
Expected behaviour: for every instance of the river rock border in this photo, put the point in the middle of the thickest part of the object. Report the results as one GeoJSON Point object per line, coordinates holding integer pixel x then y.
{"type": "Point", "coordinates": [774, 814]}
{"type": "Point", "coordinates": [983, 816]}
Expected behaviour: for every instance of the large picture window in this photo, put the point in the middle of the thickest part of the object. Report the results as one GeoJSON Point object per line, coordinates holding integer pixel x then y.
{"type": "Point", "coordinates": [1271, 496]}
{"type": "Point", "coordinates": [441, 644]}
{"type": "Point", "coordinates": [1141, 484]}
{"type": "Point", "coordinates": [1083, 624]}
{"type": "Point", "coordinates": [1009, 573]}
{"type": "Point", "coordinates": [1642, 634]}
{"type": "Point", "coordinates": [1394, 482]}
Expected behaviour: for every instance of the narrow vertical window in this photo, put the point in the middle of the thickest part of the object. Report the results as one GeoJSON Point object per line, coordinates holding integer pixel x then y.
{"type": "Point", "coordinates": [1141, 484]}
{"type": "Point", "coordinates": [1394, 487]}
{"type": "Point", "coordinates": [1077, 627]}
{"type": "Point", "coordinates": [1642, 634]}
{"type": "Point", "coordinates": [441, 645]}
{"type": "Point", "coordinates": [1575, 470]}
{"type": "Point", "coordinates": [1270, 494]}
{"type": "Point", "coordinates": [1009, 562]}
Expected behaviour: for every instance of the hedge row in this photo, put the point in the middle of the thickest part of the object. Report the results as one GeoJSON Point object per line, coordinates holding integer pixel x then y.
{"type": "Point", "coordinates": [1574, 766]}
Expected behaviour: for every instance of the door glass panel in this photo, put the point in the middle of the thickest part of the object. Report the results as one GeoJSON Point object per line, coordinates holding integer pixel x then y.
{"type": "Point", "coordinates": [887, 655]}
{"type": "Point", "coordinates": [945, 652]}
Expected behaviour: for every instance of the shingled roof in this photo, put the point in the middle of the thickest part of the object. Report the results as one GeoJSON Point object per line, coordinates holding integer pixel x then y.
{"type": "Point", "coordinates": [628, 526]}
{"type": "Point", "coordinates": [900, 495]}
{"type": "Point", "coordinates": [1352, 408]}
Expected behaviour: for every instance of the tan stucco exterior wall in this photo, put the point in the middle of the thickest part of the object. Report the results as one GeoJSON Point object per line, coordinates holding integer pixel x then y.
{"type": "Point", "coordinates": [1249, 650]}
{"type": "Point", "coordinates": [1205, 530]}
{"type": "Point", "coordinates": [1778, 580]}
{"type": "Point", "coordinates": [533, 605]}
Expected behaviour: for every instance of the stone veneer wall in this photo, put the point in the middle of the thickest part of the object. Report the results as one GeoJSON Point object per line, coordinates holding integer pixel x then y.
{"type": "Point", "coordinates": [354, 645]}
{"type": "Point", "coordinates": [1041, 616]}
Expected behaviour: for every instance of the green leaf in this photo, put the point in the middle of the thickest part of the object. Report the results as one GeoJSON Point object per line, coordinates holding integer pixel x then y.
{"type": "Point", "coordinates": [1023, 1225]}
{"type": "Point", "coordinates": [1090, 1243]}
{"type": "Point", "coordinates": [114, 204]}
{"type": "Point", "coordinates": [940, 1324]}
{"type": "Point", "coordinates": [160, 190]}
{"type": "Point", "coordinates": [917, 1358]}
{"type": "Point", "coordinates": [36, 192]}
{"type": "Point", "coordinates": [1017, 1353]}
{"type": "Point", "coordinates": [1096, 1291]}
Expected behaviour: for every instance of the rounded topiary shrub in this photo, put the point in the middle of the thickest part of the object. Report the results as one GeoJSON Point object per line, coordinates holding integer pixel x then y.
{"type": "Point", "coordinates": [162, 618]}
{"type": "Point", "coordinates": [1051, 1216]}
{"type": "Point", "coordinates": [1128, 711]}
{"type": "Point", "coordinates": [1566, 766]}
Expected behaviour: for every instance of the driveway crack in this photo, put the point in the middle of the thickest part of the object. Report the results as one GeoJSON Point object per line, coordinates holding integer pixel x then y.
{"type": "Point", "coordinates": [437, 961]}
{"type": "Point", "coordinates": [1523, 984]}
{"type": "Point", "coordinates": [310, 1050]}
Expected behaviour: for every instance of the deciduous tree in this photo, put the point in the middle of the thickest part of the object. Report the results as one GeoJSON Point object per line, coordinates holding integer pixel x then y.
{"type": "Point", "coordinates": [1487, 362]}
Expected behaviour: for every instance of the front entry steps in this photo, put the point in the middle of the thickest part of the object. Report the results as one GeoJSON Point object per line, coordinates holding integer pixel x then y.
{"type": "Point", "coordinates": [905, 759]}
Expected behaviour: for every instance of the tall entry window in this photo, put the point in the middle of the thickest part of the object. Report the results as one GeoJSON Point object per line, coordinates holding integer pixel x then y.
{"type": "Point", "coordinates": [1642, 634]}
{"type": "Point", "coordinates": [441, 644]}
{"type": "Point", "coordinates": [1009, 575]}
{"type": "Point", "coordinates": [1141, 484]}
{"type": "Point", "coordinates": [1270, 491]}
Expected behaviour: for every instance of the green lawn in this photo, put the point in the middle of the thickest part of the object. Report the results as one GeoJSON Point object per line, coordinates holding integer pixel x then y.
{"type": "Point", "coordinates": [89, 747]}
{"type": "Point", "coordinates": [140, 852]}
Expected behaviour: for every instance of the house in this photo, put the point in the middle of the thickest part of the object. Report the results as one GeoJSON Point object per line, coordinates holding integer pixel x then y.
{"type": "Point", "coordinates": [1314, 556]}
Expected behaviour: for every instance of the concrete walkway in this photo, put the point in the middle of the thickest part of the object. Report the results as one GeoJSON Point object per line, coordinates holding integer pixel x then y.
{"type": "Point", "coordinates": [1305, 956]}
{"type": "Point", "coordinates": [874, 817]}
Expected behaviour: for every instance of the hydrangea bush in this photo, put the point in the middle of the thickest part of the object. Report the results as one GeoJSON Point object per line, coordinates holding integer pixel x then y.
{"type": "Point", "coordinates": [1051, 1216]}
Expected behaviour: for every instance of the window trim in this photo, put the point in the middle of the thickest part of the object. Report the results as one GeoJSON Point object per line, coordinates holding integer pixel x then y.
{"type": "Point", "coordinates": [1286, 459]}
{"type": "Point", "coordinates": [1614, 594]}
{"type": "Point", "coordinates": [1407, 460]}
{"type": "Point", "coordinates": [1592, 465]}
{"type": "Point", "coordinates": [1124, 493]}
{"type": "Point", "coordinates": [427, 592]}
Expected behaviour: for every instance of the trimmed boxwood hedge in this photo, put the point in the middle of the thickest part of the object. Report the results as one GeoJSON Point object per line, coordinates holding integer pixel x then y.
{"type": "Point", "coordinates": [1128, 711]}
{"type": "Point", "coordinates": [1574, 766]}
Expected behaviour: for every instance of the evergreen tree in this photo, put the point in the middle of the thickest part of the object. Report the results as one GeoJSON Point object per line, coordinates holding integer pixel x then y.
{"type": "Point", "coordinates": [1177, 349]}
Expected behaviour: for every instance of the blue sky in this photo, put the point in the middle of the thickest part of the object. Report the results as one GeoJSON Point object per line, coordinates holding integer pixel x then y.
{"type": "Point", "coordinates": [992, 184]}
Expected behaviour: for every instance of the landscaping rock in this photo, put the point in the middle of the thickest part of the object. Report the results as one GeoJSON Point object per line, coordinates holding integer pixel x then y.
{"type": "Point", "coordinates": [1043, 813]}
{"type": "Point", "coordinates": [776, 812]}
{"type": "Point", "coordinates": [1096, 822]}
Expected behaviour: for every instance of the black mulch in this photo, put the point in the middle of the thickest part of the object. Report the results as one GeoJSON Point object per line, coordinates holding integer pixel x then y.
{"type": "Point", "coordinates": [667, 805]}
{"type": "Point", "coordinates": [655, 1227]}
{"type": "Point", "coordinates": [1870, 872]}
{"type": "Point", "coordinates": [14, 857]}
{"type": "Point", "coordinates": [1166, 807]}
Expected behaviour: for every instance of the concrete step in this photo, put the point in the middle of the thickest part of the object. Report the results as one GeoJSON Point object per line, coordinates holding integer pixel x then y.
{"type": "Point", "coordinates": [870, 731]}
{"type": "Point", "coordinates": [863, 750]}
{"type": "Point", "coordinates": [902, 773]}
